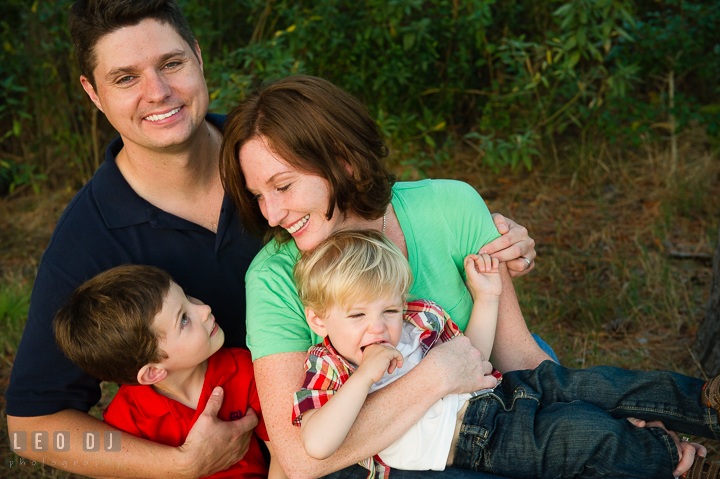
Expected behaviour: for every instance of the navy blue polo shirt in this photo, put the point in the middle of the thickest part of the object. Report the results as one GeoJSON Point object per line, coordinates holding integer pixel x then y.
{"type": "Point", "coordinates": [105, 225]}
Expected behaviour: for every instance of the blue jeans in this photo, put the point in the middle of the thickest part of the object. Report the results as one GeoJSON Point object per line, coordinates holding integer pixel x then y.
{"type": "Point", "coordinates": [554, 422]}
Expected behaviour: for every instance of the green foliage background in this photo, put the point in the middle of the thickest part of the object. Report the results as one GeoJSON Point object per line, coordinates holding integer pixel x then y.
{"type": "Point", "coordinates": [508, 78]}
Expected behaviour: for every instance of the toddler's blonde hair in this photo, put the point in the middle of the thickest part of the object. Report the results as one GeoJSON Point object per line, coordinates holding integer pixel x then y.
{"type": "Point", "coordinates": [351, 266]}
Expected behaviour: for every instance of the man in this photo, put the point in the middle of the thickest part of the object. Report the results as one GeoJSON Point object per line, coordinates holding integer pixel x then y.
{"type": "Point", "coordinates": [156, 200]}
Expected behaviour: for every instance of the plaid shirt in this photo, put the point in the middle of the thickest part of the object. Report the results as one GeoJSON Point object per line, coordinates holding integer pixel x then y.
{"type": "Point", "coordinates": [326, 371]}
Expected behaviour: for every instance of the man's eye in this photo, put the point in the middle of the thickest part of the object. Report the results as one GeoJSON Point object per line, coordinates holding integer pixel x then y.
{"type": "Point", "coordinates": [184, 321]}
{"type": "Point", "coordinates": [171, 64]}
{"type": "Point", "coordinates": [125, 79]}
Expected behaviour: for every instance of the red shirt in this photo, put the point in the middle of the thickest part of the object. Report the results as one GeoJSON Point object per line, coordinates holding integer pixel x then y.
{"type": "Point", "coordinates": [142, 412]}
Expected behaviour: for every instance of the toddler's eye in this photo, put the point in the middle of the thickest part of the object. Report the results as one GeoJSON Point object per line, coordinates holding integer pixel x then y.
{"type": "Point", "coordinates": [183, 321]}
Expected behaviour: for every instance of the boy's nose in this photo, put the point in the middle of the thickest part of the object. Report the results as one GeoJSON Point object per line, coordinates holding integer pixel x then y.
{"type": "Point", "coordinates": [377, 325]}
{"type": "Point", "coordinates": [206, 313]}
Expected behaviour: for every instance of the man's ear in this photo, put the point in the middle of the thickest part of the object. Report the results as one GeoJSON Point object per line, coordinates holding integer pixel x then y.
{"type": "Point", "coordinates": [151, 374]}
{"type": "Point", "coordinates": [199, 55]}
{"type": "Point", "coordinates": [315, 322]}
{"type": "Point", "coordinates": [87, 86]}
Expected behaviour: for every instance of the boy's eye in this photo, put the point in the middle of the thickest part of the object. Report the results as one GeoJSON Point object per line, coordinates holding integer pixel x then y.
{"type": "Point", "coordinates": [356, 315]}
{"type": "Point", "coordinates": [183, 321]}
{"type": "Point", "coordinates": [392, 311]}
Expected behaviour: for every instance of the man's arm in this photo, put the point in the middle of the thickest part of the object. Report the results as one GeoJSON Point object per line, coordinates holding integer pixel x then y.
{"type": "Point", "coordinates": [211, 446]}
{"type": "Point", "coordinates": [452, 367]}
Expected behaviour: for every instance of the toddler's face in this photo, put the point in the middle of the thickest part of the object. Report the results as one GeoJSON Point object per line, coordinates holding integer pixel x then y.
{"type": "Point", "coordinates": [352, 329]}
{"type": "Point", "coordinates": [188, 331]}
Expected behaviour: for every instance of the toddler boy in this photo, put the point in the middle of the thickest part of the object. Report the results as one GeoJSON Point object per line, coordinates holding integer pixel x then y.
{"type": "Point", "coordinates": [547, 422]}
{"type": "Point", "coordinates": [134, 325]}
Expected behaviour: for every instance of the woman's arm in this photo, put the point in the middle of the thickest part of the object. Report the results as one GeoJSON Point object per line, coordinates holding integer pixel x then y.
{"type": "Point", "coordinates": [452, 367]}
{"type": "Point", "coordinates": [514, 347]}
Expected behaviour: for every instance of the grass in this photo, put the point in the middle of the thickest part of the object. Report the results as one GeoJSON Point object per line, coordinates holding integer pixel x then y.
{"type": "Point", "coordinates": [609, 287]}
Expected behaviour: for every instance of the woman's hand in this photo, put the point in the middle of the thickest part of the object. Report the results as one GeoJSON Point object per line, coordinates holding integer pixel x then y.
{"type": "Point", "coordinates": [514, 247]}
{"type": "Point", "coordinates": [686, 449]}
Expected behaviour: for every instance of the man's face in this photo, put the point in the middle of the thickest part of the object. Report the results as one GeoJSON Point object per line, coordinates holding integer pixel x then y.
{"type": "Point", "coordinates": [150, 85]}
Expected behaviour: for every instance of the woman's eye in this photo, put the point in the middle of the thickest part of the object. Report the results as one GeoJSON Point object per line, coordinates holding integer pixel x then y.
{"type": "Point", "coordinates": [183, 321]}
{"type": "Point", "coordinates": [284, 188]}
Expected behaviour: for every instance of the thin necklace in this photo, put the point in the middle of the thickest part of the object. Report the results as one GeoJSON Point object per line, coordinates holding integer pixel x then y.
{"type": "Point", "coordinates": [384, 221]}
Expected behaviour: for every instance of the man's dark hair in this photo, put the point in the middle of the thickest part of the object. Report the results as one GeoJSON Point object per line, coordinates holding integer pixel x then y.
{"type": "Point", "coordinates": [106, 327]}
{"type": "Point", "coordinates": [90, 20]}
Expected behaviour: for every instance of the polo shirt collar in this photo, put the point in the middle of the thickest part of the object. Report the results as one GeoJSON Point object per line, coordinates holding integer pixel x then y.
{"type": "Point", "coordinates": [120, 206]}
{"type": "Point", "coordinates": [333, 351]}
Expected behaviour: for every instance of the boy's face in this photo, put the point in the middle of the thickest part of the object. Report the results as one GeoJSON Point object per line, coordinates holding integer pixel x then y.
{"type": "Point", "coordinates": [365, 323]}
{"type": "Point", "coordinates": [187, 330]}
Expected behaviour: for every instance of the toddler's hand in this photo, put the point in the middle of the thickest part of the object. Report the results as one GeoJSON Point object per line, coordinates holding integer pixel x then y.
{"type": "Point", "coordinates": [378, 358]}
{"type": "Point", "coordinates": [482, 275]}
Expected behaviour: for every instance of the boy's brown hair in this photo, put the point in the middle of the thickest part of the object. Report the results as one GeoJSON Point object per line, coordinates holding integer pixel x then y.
{"type": "Point", "coordinates": [106, 326]}
{"type": "Point", "coordinates": [317, 128]}
{"type": "Point", "coordinates": [90, 20]}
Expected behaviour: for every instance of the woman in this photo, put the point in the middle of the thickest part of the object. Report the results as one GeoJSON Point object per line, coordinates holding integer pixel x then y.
{"type": "Point", "coordinates": [302, 159]}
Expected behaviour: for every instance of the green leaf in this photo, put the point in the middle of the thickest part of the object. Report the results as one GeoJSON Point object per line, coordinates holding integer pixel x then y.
{"type": "Point", "coordinates": [17, 128]}
{"type": "Point", "coordinates": [408, 41]}
{"type": "Point", "coordinates": [430, 141]}
{"type": "Point", "coordinates": [574, 59]}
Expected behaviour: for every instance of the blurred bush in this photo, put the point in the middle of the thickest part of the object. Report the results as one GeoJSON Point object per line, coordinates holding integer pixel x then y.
{"type": "Point", "coordinates": [510, 78]}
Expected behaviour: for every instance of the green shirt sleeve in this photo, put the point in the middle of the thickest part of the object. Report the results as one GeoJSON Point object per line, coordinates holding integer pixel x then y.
{"type": "Point", "coordinates": [275, 316]}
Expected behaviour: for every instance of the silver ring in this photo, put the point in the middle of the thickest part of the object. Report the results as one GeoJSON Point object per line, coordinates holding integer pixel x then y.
{"type": "Point", "coordinates": [685, 439]}
{"type": "Point", "coordinates": [528, 261]}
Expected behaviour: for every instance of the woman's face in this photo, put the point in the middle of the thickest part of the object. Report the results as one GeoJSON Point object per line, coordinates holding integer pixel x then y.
{"type": "Point", "coordinates": [292, 199]}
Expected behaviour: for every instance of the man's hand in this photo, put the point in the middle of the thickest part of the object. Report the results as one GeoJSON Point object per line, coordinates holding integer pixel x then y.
{"type": "Point", "coordinates": [514, 247]}
{"type": "Point", "coordinates": [686, 449]}
{"type": "Point", "coordinates": [378, 358]}
{"type": "Point", "coordinates": [214, 445]}
{"type": "Point", "coordinates": [462, 367]}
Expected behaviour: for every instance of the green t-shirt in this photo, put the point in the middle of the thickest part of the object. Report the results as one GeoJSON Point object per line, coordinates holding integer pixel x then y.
{"type": "Point", "coordinates": [442, 220]}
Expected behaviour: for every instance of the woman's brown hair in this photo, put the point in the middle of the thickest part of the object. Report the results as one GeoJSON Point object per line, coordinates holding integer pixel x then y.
{"type": "Point", "coordinates": [316, 128]}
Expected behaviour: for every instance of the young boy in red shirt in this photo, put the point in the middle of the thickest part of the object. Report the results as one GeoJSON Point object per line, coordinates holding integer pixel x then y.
{"type": "Point", "coordinates": [134, 325]}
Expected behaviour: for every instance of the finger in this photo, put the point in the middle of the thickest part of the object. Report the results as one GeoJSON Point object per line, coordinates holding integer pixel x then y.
{"type": "Point", "coordinates": [700, 450]}
{"type": "Point", "coordinates": [636, 422]}
{"type": "Point", "coordinates": [519, 267]}
{"type": "Point", "coordinates": [498, 244]}
{"type": "Point", "coordinates": [495, 264]}
{"type": "Point", "coordinates": [214, 402]}
{"type": "Point", "coordinates": [687, 456]}
{"type": "Point", "coordinates": [486, 262]}
{"type": "Point", "coordinates": [391, 366]}
{"type": "Point", "coordinates": [248, 422]}
{"type": "Point", "coordinates": [500, 223]}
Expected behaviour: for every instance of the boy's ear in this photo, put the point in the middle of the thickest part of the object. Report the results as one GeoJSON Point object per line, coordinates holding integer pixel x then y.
{"type": "Point", "coordinates": [151, 374]}
{"type": "Point", "coordinates": [315, 322]}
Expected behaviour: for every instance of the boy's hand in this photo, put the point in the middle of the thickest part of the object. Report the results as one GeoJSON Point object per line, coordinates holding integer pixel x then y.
{"type": "Point", "coordinates": [482, 275]}
{"type": "Point", "coordinates": [378, 358]}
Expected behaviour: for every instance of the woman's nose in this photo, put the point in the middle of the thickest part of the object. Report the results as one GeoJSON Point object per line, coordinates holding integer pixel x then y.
{"type": "Point", "coordinates": [274, 211]}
